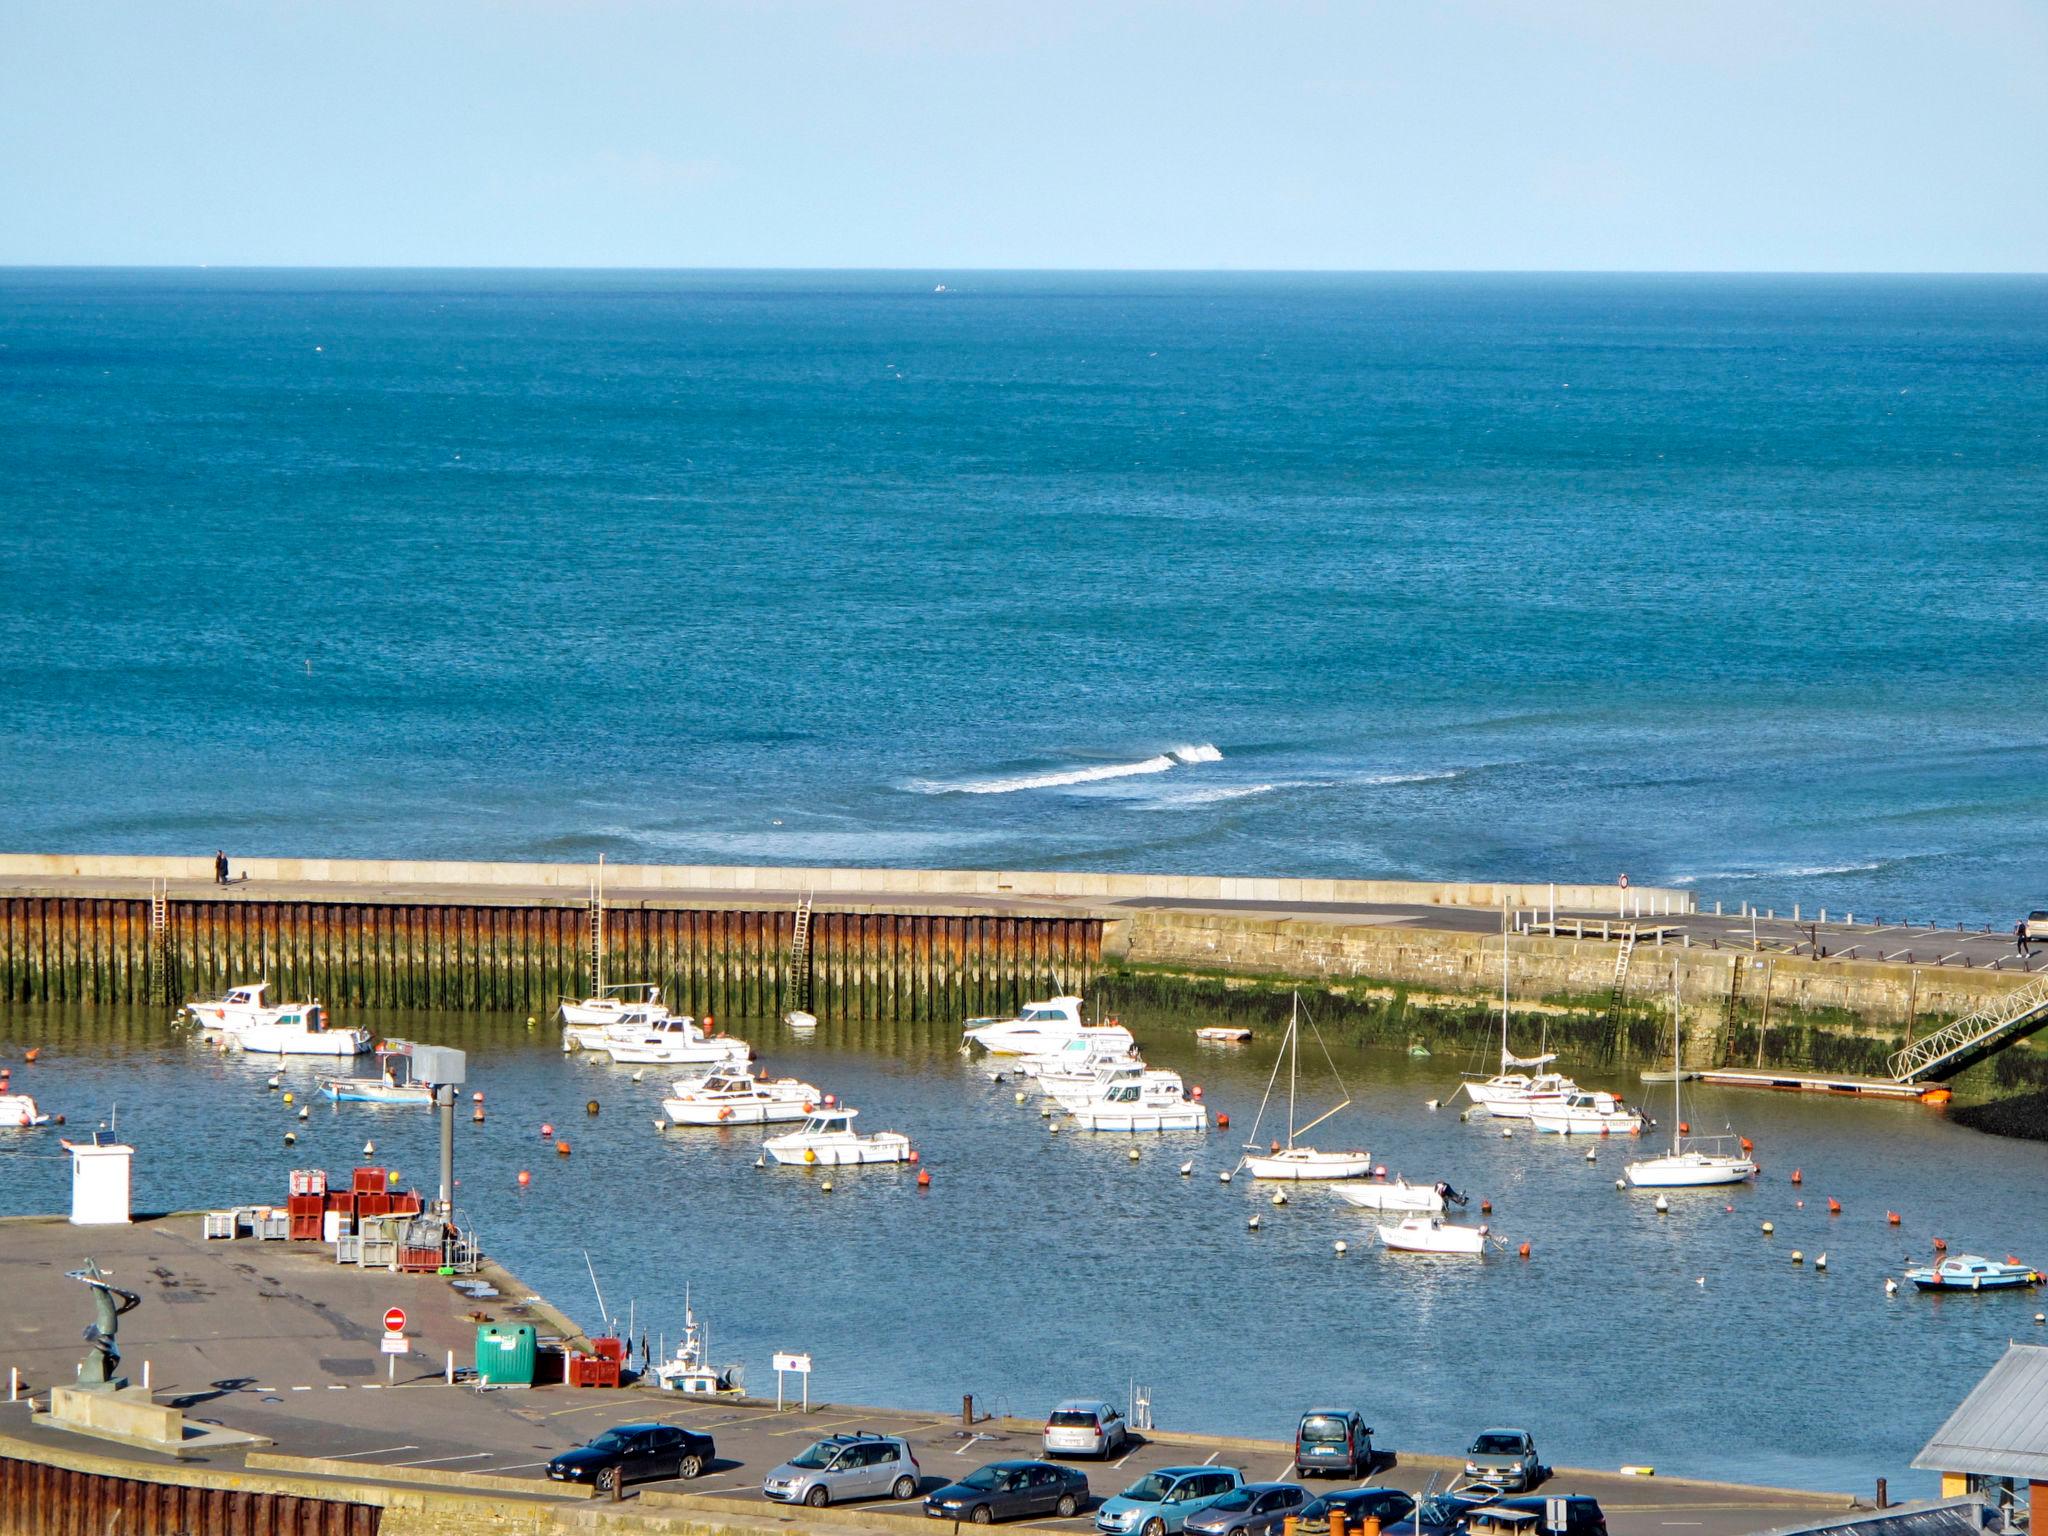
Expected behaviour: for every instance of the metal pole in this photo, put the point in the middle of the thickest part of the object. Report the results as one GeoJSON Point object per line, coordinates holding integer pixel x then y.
{"type": "Point", "coordinates": [445, 1206]}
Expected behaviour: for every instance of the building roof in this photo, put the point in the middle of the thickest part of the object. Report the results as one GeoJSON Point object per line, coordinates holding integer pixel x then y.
{"type": "Point", "coordinates": [2001, 1428]}
{"type": "Point", "coordinates": [1942, 1517]}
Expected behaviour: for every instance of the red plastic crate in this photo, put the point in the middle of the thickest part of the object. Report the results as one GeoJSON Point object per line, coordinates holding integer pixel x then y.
{"type": "Point", "coordinates": [606, 1348]}
{"type": "Point", "coordinates": [341, 1200]}
{"type": "Point", "coordinates": [372, 1181]}
{"type": "Point", "coordinates": [419, 1261]}
{"type": "Point", "coordinates": [593, 1371]}
{"type": "Point", "coordinates": [309, 1181]}
{"type": "Point", "coordinates": [406, 1203]}
{"type": "Point", "coordinates": [373, 1205]}
{"type": "Point", "coordinates": [305, 1228]}
{"type": "Point", "coordinates": [303, 1205]}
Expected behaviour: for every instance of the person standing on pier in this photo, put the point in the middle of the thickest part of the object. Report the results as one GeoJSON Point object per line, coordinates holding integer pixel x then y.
{"type": "Point", "coordinates": [220, 866]}
{"type": "Point", "coordinates": [2021, 939]}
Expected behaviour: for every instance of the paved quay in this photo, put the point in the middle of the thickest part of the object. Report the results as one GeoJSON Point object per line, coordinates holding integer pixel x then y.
{"type": "Point", "coordinates": [276, 1340]}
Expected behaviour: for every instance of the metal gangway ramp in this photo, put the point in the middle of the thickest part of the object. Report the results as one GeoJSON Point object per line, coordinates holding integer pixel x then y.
{"type": "Point", "coordinates": [1974, 1036]}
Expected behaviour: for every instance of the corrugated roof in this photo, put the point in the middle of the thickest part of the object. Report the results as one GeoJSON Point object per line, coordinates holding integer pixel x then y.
{"type": "Point", "coordinates": [2001, 1428]}
{"type": "Point", "coordinates": [1948, 1517]}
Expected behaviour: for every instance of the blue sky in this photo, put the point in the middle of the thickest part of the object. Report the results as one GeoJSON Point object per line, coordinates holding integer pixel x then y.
{"type": "Point", "coordinates": [1578, 134]}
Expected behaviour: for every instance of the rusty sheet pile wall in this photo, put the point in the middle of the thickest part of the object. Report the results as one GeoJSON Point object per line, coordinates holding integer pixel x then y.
{"type": "Point", "coordinates": [41, 1500]}
{"type": "Point", "coordinates": [729, 963]}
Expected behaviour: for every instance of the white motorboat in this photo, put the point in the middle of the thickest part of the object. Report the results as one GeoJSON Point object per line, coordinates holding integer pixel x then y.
{"type": "Point", "coordinates": [299, 1029]}
{"type": "Point", "coordinates": [1292, 1160]}
{"type": "Point", "coordinates": [1037, 1029]}
{"type": "Point", "coordinates": [1400, 1195]}
{"type": "Point", "coordinates": [1521, 1085]}
{"type": "Point", "coordinates": [612, 1004]}
{"type": "Point", "coordinates": [394, 1082]}
{"type": "Point", "coordinates": [1222, 1034]}
{"type": "Point", "coordinates": [18, 1112]}
{"type": "Point", "coordinates": [1156, 1101]}
{"type": "Point", "coordinates": [1588, 1114]}
{"type": "Point", "coordinates": [1081, 1059]}
{"type": "Point", "coordinates": [1432, 1234]}
{"type": "Point", "coordinates": [240, 1005]}
{"type": "Point", "coordinates": [1701, 1162]}
{"type": "Point", "coordinates": [737, 1098]}
{"type": "Point", "coordinates": [637, 1016]}
{"type": "Point", "coordinates": [678, 1048]}
{"type": "Point", "coordinates": [1072, 1095]}
{"type": "Point", "coordinates": [828, 1138]}
{"type": "Point", "coordinates": [690, 1370]}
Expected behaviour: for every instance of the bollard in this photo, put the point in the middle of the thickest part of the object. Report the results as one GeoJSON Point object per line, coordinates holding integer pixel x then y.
{"type": "Point", "coordinates": [1883, 1500]}
{"type": "Point", "coordinates": [451, 1368]}
{"type": "Point", "coordinates": [967, 1409]}
{"type": "Point", "coordinates": [1290, 1525]}
{"type": "Point", "coordinates": [1336, 1520]}
{"type": "Point", "coordinates": [1371, 1527]}
{"type": "Point", "coordinates": [145, 1375]}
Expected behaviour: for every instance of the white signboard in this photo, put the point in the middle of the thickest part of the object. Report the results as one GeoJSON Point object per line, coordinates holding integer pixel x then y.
{"type": "Point", "coordinates": [396, 1344]}
{"type": "Point", "coordinates": [793, 1363]}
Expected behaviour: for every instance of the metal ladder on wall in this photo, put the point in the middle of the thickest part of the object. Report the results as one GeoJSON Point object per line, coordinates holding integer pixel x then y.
{"type": "Point", "coordinates": [800, 955]}
{"type": "Point", "coordinates": [597, 931]}
{"type": "Point", "coordinates": [160, 980]}
{"type": "Point", "coordinates": [1619, 995]}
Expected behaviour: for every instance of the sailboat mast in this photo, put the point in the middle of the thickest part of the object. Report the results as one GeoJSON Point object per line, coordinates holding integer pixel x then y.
{"type": "Point", "coordinates": [1503, 991]}
{"type": "Point", "coordinates": [1677, 1065]}
{"type": "Point", "coordinates": [1293, 1063]}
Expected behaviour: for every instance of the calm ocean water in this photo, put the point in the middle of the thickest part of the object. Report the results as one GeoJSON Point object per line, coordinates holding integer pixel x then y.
{"type": "Point", "coordinates": [1726, 581]}
{"type": "Point", "coordinates": [1040, 1266]}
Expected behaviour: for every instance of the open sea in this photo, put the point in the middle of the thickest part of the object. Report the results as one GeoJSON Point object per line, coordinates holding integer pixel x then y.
{"type": "Point", "coordinates": [1732, 582]}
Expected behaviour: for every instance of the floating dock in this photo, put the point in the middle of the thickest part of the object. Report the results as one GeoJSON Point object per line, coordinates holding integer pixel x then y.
{"type": "Point", "coordinates": [1839, 1084]}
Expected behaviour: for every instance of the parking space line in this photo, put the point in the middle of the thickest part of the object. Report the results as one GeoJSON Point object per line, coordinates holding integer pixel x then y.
{"type": "Point", "coordinates": [520, 1466]}
{"type": "Point", "coordinates": [428, 1461]}
{"type": "Point", "coordinates": [1211, 1459]}
{"type": "Point", "coordinates": [389, 1450]}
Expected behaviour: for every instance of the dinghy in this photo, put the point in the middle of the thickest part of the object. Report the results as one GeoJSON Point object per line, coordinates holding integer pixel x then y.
{"type": "Point", "coordinates": [1425, 1199]}
{"type": "Point", "coordinates": [1432, 1234]}
{"type": "Point", "coordinates": [1970, 1272]}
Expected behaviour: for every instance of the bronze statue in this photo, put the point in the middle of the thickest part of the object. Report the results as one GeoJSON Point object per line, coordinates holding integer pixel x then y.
{"type": "Point", "coordinates": [96, 1370]}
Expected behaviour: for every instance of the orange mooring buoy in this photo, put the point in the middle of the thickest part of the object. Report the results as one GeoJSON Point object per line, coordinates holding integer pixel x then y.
{"type": "Point", "coordinates": [525, 1178]}
{"type": "Point", "coordinates": [1941, 1245]}
{"type": "Point", "coordinates": [1223, 1122]}
{"type": "Point", "coordinates": [32, 1053]}
{"type": "Point", "coordinates": [562, 1147]}
{"type": "Point", "coordinates": [1523, 1250]}
{"type": "Point", "coordinates": [1834, 1206]}
{"type": "Point", "coordinates": [924, 1178]}
{"type": "Point", "coordinates": [1892, 1217]}
{"type": "Point", "coordinates": [1798, 1177]}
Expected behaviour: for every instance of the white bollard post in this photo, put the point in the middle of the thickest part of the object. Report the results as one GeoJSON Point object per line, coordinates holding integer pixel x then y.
{"type": "Point", "coordinates": [145, 1375]}
{"type": "Point", "coordinates": [1553, 909]}
{"type": "Point", "coordinates": [1795, 911]}
{"type": "Point", "coordinates": [13, 1384]}
{"type": "Point", "coordinates": [451, 1367]}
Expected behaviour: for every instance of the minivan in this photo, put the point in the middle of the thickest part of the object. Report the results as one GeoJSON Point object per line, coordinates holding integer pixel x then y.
{"type": "Point", "coordinates": [1084, 1426]}
{"type": "Point", "coordinates": [1333, 1440]}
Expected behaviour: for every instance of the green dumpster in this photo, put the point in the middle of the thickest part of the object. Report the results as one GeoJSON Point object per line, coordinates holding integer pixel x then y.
{"type": "Point", "coordinates": [505, 1354]}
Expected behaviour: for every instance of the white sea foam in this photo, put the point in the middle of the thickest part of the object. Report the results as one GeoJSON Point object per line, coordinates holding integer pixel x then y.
{"type": "Point", "coordinates": [1179, 799]}
{"type": "Point", "coordinates": [1788, 872]}
{"type": "Point", "coordinates": [1060, 778]}
{"type": "Point", "coordinates": [1412, 778]}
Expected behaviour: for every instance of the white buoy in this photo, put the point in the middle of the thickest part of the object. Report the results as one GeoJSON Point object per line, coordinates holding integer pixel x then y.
{"type": "Point", "coordinates": [1662, 1205]}
{"type": "Point", "coordinates": [1820, 1261]}
{"type": "Point", "coordinates": [1340, 1247]}
{"type": "Point", "coordinates": [1769, 1229]}
{"type": "Point", "coordinates": [637, 1076]}
{"type": "Point", "coordinates": [1592, 1155]}
{"type": "Point", "coordinates": [369, 1149]}
{"type": "Point", "coordinates": [1506, 1133]}
{"type": "Point", "coordinates": [1279, 1197]}
{"type": "Point", "coordinates": [1621, 1183]}
{"type": "Point", "coordinates": [1020, 1098]}
{"type": "Point", "coordinates": [1253, 1223]}
{"type": "Point", "coordinates": [1891, 1286]}
{"type": "Point", "coordinates": [2040, 1317]}
{"type": "Point", "coordinates": [1044, 1110]}
{"type": "Point", "coordinates": [1187, 1168]}
{"type": "Point", "coordinates": [826, 1187]}
{"type": "Point", "coordinates": [275, 1079]}
{"type": "Point", "coordinates": [1224, 1176]}
{"type": "Point", "coordinates": [761, 1161]}
{"type": "Point", "coordinates": [1701, 1281]}
{"type": "Point", "coordinates": [305, 1111]}
{"type": "Point", "coordinates": [1054, 1127]}
{"type": "Point", "coordinates": [1432, 1103]}
{"type": "Point", "coordinates": [1134, 1154]}
{"type": "Point", "coordinates": [1798, 1257]}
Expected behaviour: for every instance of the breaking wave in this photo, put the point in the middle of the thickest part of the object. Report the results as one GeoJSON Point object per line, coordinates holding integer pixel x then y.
{"type": "Point", "coordinates": [1060, 778]}
{"type": "Point", "coordinates": [1788, 872]}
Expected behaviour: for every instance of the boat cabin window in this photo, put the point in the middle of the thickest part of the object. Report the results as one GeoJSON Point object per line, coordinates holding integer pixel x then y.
{"type": "Point", "coordinates": [1124, 1095]}
{"type": "Point", "coordinates": [1040, 1016]}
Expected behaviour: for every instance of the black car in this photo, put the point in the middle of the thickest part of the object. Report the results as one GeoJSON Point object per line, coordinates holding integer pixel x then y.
{"type": "Point", "coordinates": [634, 1453]}
{"type": "Point", "coordinates": [1007, 1490]}
{"type": "Point", "coordinates": [1385, 1505]}
{"type": "Point", "coordinates": [1572, 1514]}
{"type": "Point", "coordinates": [1439, 1514]}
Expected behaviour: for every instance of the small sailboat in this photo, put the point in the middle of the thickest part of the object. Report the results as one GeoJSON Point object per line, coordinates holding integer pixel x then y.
{"type": "Point", "coordinates": [737, 1098]}
{"type": "Point", "coordinates": [1294, 1160]}
{"type": "Point", "coordinates": [828, 1138]}
{"type": "Point", "coordinates": [1155, 1101]}
{"type": "Point", "coordinates": [1432, 1234]}
{"type": "Point", "coordinates": [1970, 1272]}
{"type": "Point", "coordinates": [1587, 1114]}
{"type": "Point", "coordinates": [690, 1370]}
{"type": "Point", "coordinates": [1400, 1195]}
{"type": "Point", "coordinates": [611, 1005]}
{"type": "Point", "coordinates": [1520, 1085]}
{"type": "Point", "coordinates": [1693, 1163]}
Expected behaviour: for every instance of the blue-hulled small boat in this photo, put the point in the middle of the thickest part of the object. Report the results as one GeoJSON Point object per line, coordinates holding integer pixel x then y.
{"type": "Point", "coordinates": [393, 1083]}
{"type": "Point", "coordinates": [1971, 1272]}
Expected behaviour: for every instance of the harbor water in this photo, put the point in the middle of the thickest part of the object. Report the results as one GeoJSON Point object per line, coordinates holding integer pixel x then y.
{"type": "Point", "coordinates": [1039, 1265]}
{"type": "Point", "coordinates": [1722, 581]}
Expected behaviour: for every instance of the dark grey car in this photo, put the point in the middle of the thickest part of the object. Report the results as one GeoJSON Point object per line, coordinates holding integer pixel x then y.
{"type": "Point", "coordinates": [1256, 1509]}
{"type": "Point", "coordinates": [1010, 1490]}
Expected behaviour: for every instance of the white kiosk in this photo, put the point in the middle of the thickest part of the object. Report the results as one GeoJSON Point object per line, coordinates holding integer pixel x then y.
{"type": "Point", "coordinates": [99, 1181]}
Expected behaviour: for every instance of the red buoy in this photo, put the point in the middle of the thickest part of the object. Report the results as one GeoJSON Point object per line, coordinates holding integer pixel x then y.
{"type": "Point", "coordinates": [525, 1178]}
{"type": "Point", "coordinates": [1798, 1177]}
{"type": "Point", "coordinates": [1892, 1217]}
{"type": "Point", "coordinates": [1941, 1245]}
{"type": "Point", "coordinates": [1834, 1206]}
{"type": "Point", "coordinates": [1223, 1122]}
{"type": "Point", "coordinates": [913, 1154]}
{"type": "Point", "coordinates": [546, 1130]}
{"type": "Point", "coordinates": [1524, 1250]}
{"type": "Point", "coordinates": [924, 1178]}
{"type": "Point", "coordinates": [1486, 1207]}
{"type": "Point", "coordinates": [562, 1147]}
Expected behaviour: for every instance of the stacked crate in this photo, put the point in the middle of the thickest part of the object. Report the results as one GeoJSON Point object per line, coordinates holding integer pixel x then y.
{"type": "Point", "coordinates": [305, 1204]}
{"type": "Point", "coordinates": [602, 1367]}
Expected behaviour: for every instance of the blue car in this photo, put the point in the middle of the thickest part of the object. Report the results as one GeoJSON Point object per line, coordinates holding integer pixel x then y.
{"type": "Point", "coordinates": [1159, 1503]}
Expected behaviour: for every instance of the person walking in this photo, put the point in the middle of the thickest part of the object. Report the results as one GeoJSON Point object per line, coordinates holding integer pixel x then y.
{"type": "Point", "coordinates": [2022, 940]}
{"type": "Point", "coordinates": [220, 866]}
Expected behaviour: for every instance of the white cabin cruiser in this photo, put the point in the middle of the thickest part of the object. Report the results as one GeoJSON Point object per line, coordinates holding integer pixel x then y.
{"type": "Point", "coordinates": [675, 1043]}
{"type": "Point", "coordinates": [1588, 1114]}
{"type": "Point", "coordinates": [1432, 1234]}
{"type": "Point", "coordinates": [299, 1029]}
{"type": "Point", "coordinates": [1082, 1058]}
{"type": "Point", "coordinates": [612, 1003]}
{"type": "Point", "coordinates": [1071, 1096]}
{"type": "Point", "coordinates": [241, 1005]}
{"type": "Point", "coordinates": [18, 1112]}
{"type": "Point", "coordinates": [728, 1097]}
{"type": "Point", "coordinates": [828, 1139]}
{"type": "Point", "coordinates": [1036, 1030]}
{"type": "Point", "coordinates": [595, 1037]}
{"type": "Point", "coordinates": [1400, 1195]}
{"type": "Point", "coordinates": [1156, 1101]}
{"type": "Point", "coordinates": [1512, 1094]}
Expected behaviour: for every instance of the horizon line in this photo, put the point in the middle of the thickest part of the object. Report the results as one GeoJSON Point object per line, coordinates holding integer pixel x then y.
{"type": "Point", "coordinates": [1026, 271]}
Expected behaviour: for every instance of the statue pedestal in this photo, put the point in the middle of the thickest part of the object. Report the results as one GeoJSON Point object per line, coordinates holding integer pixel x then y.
{"type": "Point", "coordinates": [118, 1413]}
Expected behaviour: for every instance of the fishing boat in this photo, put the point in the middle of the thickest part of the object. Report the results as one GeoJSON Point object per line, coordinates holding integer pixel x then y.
{"type": "Point", "coordinates": [1293, 1159]}
{"type": "Point", "coordinates": [393, 1082]}
{"type": "Point", "coordinates": [1432, 1234]}
{"type": "Point", "coordinates": [1400, 1195]}
{"type": "Point", "coordinates": [690, 1370]}
{"type": "Point", "coordinates": [828, 1138]}
{"type": "Point", "coordinates": [1701, 1162]}
{"type": "Point", "coordinates": [240, 1005]}
{"type": "Point", "coordinates": [299, 1029]}
{"type": "Point", "coordinates": [1037, 1029]}
{"type": "Point", "coordinates": [1222, 1034]}
{"type": "Point", "coordinates": [1971, 1272]}
{"type": "Point", "coordinates": [1521, 1085]}
{"type": "Point", "coordinates": [738, 1098]}
{"type": "Point", "coordinates": [1587, 1114]}
{"type": "Point", "coordinates": [612, 1004]}
{"type": "Point", "coordinates": [18, 1112]}
{"type": "Point", "coordinates": [659, 1046]}
{"type": "Point", "coordinates": [1157, 1101]}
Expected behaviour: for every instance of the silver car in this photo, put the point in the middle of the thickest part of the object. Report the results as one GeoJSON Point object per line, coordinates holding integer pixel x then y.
{"type": "Point", "coordinates": [843, 1467]}
{"type": "Point", "coordinates": [1256, 1509]}
{"type": "Point", "coordinates": [1085, 1426]}
{"type": "Point", "coordinates": [1506, 1457]}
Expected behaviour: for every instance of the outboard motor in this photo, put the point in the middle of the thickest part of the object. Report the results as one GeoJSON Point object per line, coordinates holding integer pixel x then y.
{"type": "Point", "coordinates": [1450, 1195]}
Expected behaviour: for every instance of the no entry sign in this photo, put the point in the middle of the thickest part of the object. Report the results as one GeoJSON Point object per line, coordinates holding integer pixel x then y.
{"type": "Point", "coordinates": [394, 1320]}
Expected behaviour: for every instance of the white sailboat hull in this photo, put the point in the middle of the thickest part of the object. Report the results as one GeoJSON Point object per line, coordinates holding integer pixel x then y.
{"type": "Point", "coordinates": [1688, 1170]}
{"type": "Point", "coordinates": [1306, 1163]}
{"type": "Point", "coordinates": [837, 1152]}
{"type": "Point", "coordinates": [738, 1112]}
{"type": "Point", "coordinates": [720, 1052]}
{"type": "Point", "coordinates": [1142, 1117]}
{"type": "Point", "coordinates": [1559, 1122]}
